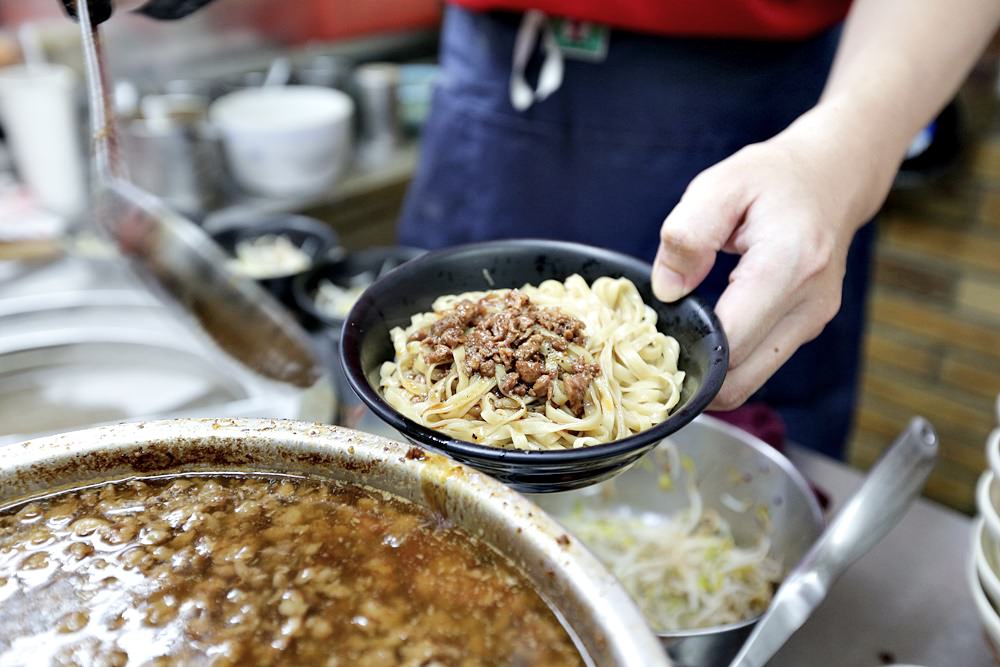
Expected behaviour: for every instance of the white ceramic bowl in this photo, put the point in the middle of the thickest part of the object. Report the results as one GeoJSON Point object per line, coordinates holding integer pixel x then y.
{"type": "Point", "coordinates": [987, 614]}
{"type": "Point", "coordinates": [285, 141]}
{"type": "Point", "coordinates": [993, 450]}
{"type": "Point", "coordinates": [987, 501]}
{"type": "Point", "coordinates": [984, 552]}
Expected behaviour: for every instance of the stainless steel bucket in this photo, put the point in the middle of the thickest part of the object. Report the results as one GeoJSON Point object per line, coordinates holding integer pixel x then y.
{"type": "Point", "coordinates": [175, 154]}
{"type": "Point", "coordinates": [729, 464]}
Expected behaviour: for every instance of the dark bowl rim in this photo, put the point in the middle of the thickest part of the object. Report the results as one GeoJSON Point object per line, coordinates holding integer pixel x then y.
{"type": "Point", "coordinates": [351, 360]}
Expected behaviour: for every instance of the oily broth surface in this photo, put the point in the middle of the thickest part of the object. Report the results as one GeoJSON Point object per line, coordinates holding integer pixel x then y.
{"type": "Point", "coordinates": [255, 569]}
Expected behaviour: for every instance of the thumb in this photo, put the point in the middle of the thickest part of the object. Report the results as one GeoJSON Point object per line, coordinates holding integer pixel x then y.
{"type": "Point", "coordinates": [693, 234]}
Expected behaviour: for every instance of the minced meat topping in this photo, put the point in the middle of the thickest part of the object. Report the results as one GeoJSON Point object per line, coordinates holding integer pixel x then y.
{"type": "Point", "coordinates": [523, 346]}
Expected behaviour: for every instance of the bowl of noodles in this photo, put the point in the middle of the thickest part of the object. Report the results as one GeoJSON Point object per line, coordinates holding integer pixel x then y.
{"type": "Point", "coordinates": [700, 532]}
{"type": "Point", "coordinates": [546, 364]}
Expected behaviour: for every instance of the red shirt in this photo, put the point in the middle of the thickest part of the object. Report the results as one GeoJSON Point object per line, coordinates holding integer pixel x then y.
{"type": "Point", "coordinates": [788, 19]}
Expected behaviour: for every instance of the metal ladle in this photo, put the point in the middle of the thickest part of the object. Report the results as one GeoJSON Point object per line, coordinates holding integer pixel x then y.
{"type": "Point", "coordinates": [877, 507]}
{"type": "Point", "coordinates": [180, 260]}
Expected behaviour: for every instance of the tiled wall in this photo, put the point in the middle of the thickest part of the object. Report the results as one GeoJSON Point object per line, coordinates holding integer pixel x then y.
{"type": "Point", "coordinates": [933, 346]}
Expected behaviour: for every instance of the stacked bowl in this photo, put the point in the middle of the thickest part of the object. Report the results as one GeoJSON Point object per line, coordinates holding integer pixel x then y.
{"type": "Point", "coordinates": [984, 559]}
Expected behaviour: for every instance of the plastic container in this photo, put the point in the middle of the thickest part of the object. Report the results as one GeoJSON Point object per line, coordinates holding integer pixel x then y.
{"type": "Point", "coordinates": [37, 110]}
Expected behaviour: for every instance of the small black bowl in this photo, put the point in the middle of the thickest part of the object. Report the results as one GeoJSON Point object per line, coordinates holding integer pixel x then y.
{"type": "Point", "coordinates": [412, 288]}
{"type": "Point", "coordinates": [377, 261]}
{"type": "Point", "coordinates": [317, 239]}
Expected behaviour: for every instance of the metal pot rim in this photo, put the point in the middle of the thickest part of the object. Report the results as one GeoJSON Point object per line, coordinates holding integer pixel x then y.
{"type": "Point", "coordinates": [590, 599]}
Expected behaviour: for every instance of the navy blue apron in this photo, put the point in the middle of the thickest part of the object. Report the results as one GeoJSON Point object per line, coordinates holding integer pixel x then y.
{"type": "Point", "coordinates": [607, 156]}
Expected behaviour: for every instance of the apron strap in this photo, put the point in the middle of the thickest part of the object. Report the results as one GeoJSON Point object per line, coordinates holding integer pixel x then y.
{"type": "Point", "coordinates": [550, 78]}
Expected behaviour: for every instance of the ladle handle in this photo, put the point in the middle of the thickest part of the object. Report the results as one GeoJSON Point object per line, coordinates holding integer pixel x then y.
{"type": "Point", "coordinates": [884, 496]}
{"type": "Point", "coordinates": [107, 160]}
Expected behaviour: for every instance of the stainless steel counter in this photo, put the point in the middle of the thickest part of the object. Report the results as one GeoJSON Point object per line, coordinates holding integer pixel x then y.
{"type": "Point", "coordinates": [906, 601]}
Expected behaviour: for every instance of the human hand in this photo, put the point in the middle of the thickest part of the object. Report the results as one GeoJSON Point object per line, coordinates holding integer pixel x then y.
{"type": "Point", "coordinates": [101, 10]}
{"type": "Point", "coordinates": [790, 207]}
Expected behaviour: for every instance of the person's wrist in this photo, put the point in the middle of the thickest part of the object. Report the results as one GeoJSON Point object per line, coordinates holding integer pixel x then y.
{"type": "Point", "coordinates": [859, 160]}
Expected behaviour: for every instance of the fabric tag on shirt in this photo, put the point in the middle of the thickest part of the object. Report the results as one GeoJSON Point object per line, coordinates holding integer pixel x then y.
{"type": "Point", "coordinates": [581, 40]}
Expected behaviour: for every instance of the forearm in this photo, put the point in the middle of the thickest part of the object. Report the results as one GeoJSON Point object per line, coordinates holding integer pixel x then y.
{"type": "Point", "coordinates": [898, 64]}
{"type": "Point", "coordinates": [791, 205]}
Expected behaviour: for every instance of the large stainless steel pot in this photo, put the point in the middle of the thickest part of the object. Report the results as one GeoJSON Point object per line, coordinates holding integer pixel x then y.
{"type": "Point", "coordinates": [607, 624]}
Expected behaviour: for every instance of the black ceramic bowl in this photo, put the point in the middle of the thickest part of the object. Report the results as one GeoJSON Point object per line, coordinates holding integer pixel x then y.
{"type": "Point", "coordinates": [315, 238]}
{"type": "Point", "coordinates": [375, 261]}
{"type": "Point", "coordinates": [412, 288]}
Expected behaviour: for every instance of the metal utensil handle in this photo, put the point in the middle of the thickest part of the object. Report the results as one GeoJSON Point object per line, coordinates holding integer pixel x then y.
{"type": "Point", "coordinates": [107, 158]}
{"type": "Point", "coordinates": [868, 516]}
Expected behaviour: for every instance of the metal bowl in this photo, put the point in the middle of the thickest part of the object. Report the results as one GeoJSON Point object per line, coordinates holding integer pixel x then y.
{"type": "Point", "coordinates": [727, 462]}
{"type": "Point", "coordinates": [598, 612]}
{"type": "Point", "coordinates": [393, 299]}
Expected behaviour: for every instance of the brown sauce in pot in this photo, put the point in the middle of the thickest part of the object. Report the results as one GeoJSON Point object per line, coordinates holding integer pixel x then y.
{"type": "Point", "coordinates": [258, 570]}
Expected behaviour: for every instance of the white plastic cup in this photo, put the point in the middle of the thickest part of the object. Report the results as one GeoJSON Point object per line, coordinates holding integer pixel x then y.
{"type": "Point", "coordinates": [38, 113]}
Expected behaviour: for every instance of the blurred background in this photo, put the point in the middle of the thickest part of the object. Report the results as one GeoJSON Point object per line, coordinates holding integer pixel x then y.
{"type": "Point", "coordinates": [81, 343]}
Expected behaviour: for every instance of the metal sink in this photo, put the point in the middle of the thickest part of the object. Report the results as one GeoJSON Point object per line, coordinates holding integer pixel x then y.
{"type": "Point", "coordinates": [106, 351]}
